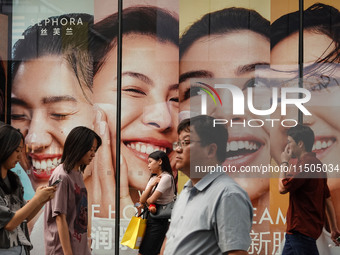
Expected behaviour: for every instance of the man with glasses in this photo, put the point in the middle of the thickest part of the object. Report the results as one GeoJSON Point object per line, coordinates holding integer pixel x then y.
{"type": "Point", "coordinates": [213, 214]}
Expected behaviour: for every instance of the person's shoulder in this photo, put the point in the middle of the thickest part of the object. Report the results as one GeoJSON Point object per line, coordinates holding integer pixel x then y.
{"type": "Point", "coordinates": [228, 185]}
{"type": "Point", "coordinates": [224, 180]}
{"type": "Point", "coordinates": [166, 176]}
{"type": "Point", "coordinates": [15, 176]}
{"type": "Point", "coordinates": [152, 177]}
{"type": "Point", "coordinates": [59, 172]}
{"type": "Point", "coordinates": [317, 161]}
{"type": "Point", "coordinates": [151, 180]}
{"type": "Point", "coordinates": [310, 158]}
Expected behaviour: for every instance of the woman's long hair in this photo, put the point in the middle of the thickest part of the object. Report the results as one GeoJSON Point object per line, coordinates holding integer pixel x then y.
{"type": "Point", "coordinates": [320, 19]}
{"type": "Point", "coordinates": [10, 139]}
{"type": "Point", "coordinates": [165, 166]}
{"type": "Point", "coordinates": [78, 142]}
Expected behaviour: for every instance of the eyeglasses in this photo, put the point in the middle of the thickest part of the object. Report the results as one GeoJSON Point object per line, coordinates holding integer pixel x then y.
{"type": "Point", "coordinates": [182, 144]}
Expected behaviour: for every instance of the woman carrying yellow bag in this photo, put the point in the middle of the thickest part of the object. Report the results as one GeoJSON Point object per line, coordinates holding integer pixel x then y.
{"type": "Point", "coordinates": [160, 190]}
{"type": "Point", "coordinates": [134, 233]}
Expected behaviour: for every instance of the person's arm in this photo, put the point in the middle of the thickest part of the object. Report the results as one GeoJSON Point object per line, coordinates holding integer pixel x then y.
{"type": "Point", "coordinates": [64, 234]}
{"type": "Point", "coordinates": [236, 253]}
{"type": "Point", "coordinates": [35, 212]}
{"type": "Point", "coordinates": [146, 193]}
{"type": "Point", "coordinates": [332, 220]}
{"type": "Point", "coordinates": [291, 184]}
{"type": "Point", "coordinates": [233, 216]}
{"type": "Point", "coordinates": [286, 155]}
{"type": "Point", "coordinates": [38, 208]}
{"type": "Point", "coordinates": [164, 185]}
{"type": "Point", "coordinates": [293, 179]}
{"type": "Point", "coordinates": [154, 197]}
{"type": "Point", "coordinates": [163, 247]}
{"type": "Point", "coordinates": [22, 214]}
{"type": "Point", "coordinates": [282, 188]}
{"type": "Point", "coordinates": [29, 210]}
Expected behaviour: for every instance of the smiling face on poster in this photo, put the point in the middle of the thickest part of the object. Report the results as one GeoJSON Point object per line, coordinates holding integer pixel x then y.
{"type": "Point", "coordinates": [51, 94]}
{"type": "Point", "coordinates": [216, 50]}
{"type": "Point", "coordinates": [62, 79]}
{"type": "Point", "coordinates": [225, 53]}
{"type": "Point", "coordinates": [51, 85]}
{"type": "Point", "coordinates": [149, 97]}
{"type": "Point", "coordinates": [321, 78]}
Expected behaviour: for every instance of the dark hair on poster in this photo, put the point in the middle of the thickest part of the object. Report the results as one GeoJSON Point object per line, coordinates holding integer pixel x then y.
{"type": "Point", "coordinates": [144, 20]}
{"type": "Point", "coordinates": [224, 21]}
{"type": "Point", "coordinates": [318, 18]}
{"type": "Point", "coordinates": [71, 43]}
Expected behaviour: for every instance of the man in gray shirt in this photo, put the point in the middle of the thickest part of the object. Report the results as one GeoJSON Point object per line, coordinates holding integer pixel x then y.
{"type": "Point", "coordinates": [213, 214]}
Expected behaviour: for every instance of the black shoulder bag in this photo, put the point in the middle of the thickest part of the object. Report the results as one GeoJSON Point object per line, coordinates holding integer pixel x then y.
{"type": "Point", "coordinates": [164, 211]}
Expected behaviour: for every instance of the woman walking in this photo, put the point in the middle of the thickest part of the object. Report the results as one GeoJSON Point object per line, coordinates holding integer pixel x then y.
{"type": "Point", "coordinates": [66, 215]}
{"type": "Point", "coordinates": [14, 211]}
{"type": "Point", "coordinates": [160, 190]}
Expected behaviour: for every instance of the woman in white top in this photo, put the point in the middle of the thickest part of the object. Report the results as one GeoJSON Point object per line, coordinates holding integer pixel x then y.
{"type": "Point", "coordinates": [159, 190]}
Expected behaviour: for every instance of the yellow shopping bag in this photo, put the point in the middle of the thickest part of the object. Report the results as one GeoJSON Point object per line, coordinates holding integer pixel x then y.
{"type": "Point", "coordinates": [134, 233]}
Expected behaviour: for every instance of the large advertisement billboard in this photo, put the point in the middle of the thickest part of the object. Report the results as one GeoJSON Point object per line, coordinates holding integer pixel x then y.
{"type": "Point", "coordinates": [177, 59]}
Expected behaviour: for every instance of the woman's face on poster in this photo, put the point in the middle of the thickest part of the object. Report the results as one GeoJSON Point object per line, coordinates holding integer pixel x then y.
{"type": "Point", "coordinates": [233, 56]}
{"type": "Point", "coordinates": [323, 83]}
{"type": "Point", "coordinates": [47, 103]}
{"type": "Point", "coordinates": [149, 100]}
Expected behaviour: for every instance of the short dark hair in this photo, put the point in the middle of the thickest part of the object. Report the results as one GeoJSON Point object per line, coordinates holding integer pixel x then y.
{"type": "Point", "coordinates": [302, 133]}
{"type": "Point", "coordinates": [10, 139]}
{"type": "Point", "coordinates": [73, 48]}
{"type": "Point", "coordinates": [208, 133]}
{"type": "Point", "coordinates": [143, 20]}
{"type": "Point", "coordinates": [78, 142]}
{"type": "Point", "coordinates": [222, 22]}
{"type": "Point", "coordinates": [318, 18]}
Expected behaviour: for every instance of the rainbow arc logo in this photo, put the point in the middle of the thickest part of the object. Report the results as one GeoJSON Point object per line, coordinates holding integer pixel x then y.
{"type": "Point", "coordinates": [209, 93]}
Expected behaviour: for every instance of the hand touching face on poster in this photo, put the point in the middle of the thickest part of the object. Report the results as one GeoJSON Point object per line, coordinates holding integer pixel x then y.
{"type": "Point", "coordinates": [100, 179]}
{"type": "Point", "coordinates": [233, 55]}
{"type": "Point", "coordinates": [149, 100]}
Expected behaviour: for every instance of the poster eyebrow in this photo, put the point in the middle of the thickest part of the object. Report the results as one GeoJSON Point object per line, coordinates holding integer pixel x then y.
{"type": "Point", "coordinates": [56, 99]}
{"type": "Point", "coordinates": [17, 101]}
{"type": "Point", "coordinates": [195, 74]}
{"type": "Point", "coordinates": [139, 76]}
{"type": "Point", "coordinates": [250, 67]}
